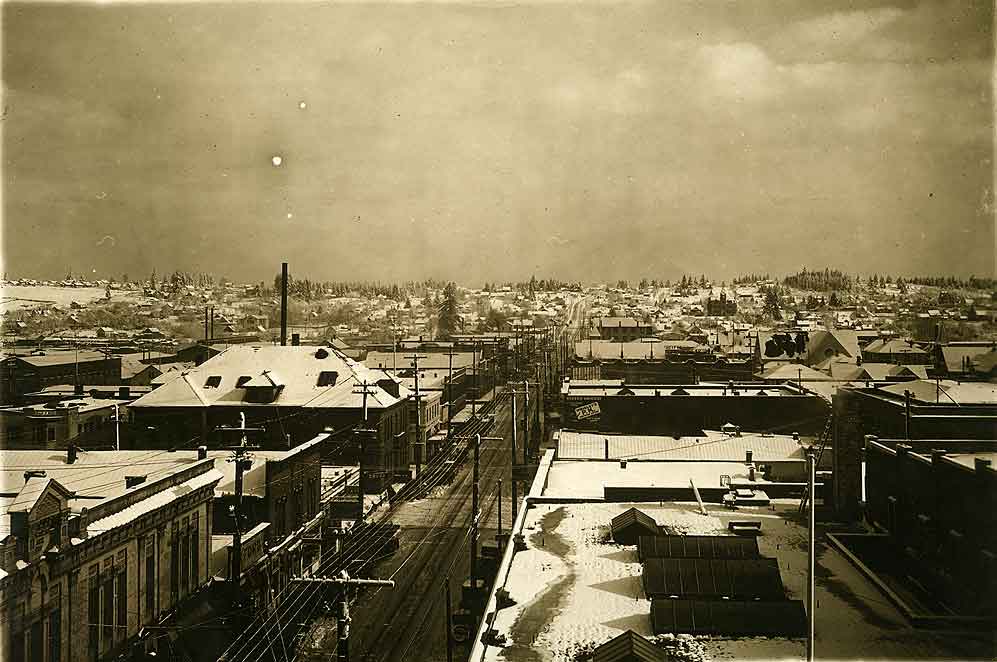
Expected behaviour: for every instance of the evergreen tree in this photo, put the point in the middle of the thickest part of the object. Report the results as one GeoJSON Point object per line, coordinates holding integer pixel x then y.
{"type": "Point", "coordinates": [449, 316]}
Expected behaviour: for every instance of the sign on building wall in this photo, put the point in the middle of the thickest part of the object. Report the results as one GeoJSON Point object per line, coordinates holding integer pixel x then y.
{"type": "Point", "coordinates": [590, 410]}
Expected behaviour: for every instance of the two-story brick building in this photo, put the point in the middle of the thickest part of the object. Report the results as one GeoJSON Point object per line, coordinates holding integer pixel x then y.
{"type": "Point", "coordinates": [21, 374]}
{"type": "Point", "coordinates": [921, 409]}
{"type": "Point", "coordinates": [96, 550]}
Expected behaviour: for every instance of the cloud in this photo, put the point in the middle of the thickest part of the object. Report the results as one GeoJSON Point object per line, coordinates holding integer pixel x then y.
{"type": "Point", "coordinates": [739, 71]}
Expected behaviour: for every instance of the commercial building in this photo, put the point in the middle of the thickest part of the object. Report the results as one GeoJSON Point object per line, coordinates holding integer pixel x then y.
{"type": "Point", "coordinates": [936, 499]}
{"type": "Point", "coordinates": [623, 329]}
{"type": "Point", "coordinates": [566, 587]}
{"type": "Point", "coordinates": [920, 409]}
{"type": "Point", "coordinates": [95, 550]}
{"type": "Point", "coordinates": [86, 421]}
{"type": "Point", "coordinates": [688, 409]}
{"type": "Point", "coordinates": [285, 393]}
{"type": "Point", "coordinates": [21, 374]}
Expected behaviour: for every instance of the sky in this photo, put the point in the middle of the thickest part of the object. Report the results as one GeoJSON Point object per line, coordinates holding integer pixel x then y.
{"type": "Point", "coordinates": [493, 140]}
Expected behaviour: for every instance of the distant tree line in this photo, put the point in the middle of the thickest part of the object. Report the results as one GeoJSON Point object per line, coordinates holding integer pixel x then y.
{"type": "Point", "coordinates": [819, 281]}
{"type": "Point", "coordinates": [307, 289]}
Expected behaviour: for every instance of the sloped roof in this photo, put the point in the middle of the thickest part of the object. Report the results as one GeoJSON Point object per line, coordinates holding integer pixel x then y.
{"type": "Point", "coordinates": [628, 647]}
{"type": "Point", "coordinates": [953, 355]}
{"type": "Point", "coordinates": [628, 526]}
{"type": "Point", "coordinates": [892, 346]}
{"type": "Point", "coordinates": [298, 368]}
{"type": "Point", "coordinates": [840, 341]}
{"type": "Point", "coordinates": [793, 372]}
{"type": "Point", "coordinates": [946, 391]}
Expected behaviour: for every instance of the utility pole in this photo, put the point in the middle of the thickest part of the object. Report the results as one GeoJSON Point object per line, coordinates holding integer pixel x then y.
{"type": "Point", "coordinates": [344, 582]}
{"type": "Point", "coordinates": [526, 421]}
{"type": "Point", "coordinates": [361, 437]}
{"type": "Point", "coordinates": [449, 625]}
{"type": "Point", "coordinates": [500, 514]}
{"type": "Point", "coordinates": [243, 461]}
{"type": "Point", "coordinates": [419, 443]}
{"type": "Point", "coordinates": [449, 393]}
{"type": "Point", "coordinates": [283, 304]}
{"type": "Point", "coordinates": [811, 554]}
{"type": "Point", "coordinates": [514, 447]}
{"type": "Point", "coordinates": [117, 429]}
{"type": "Point", "coordinates": [474, 380]}
{"type": "Point", "coordinates": [474, 514]}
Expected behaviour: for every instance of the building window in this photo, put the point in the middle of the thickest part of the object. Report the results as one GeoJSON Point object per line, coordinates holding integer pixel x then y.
{"type": "Point", "coordinates": [17, 644]}
{"type": "Point", "coordinates": [93, 612]}
{"type": "Point", "coordinates": [38, 642]}
{"type": "Point", "coordinates": [121, 596]}
{"type": "Point", "coordinates": [107, 612]}
{"type": "Point", "coordinates": [150, 576]}
{"type": "Point", "coordinates": [54, 636]}
{"type": "Point", "coordinates": [51, 434]}
{"type": "Point", "coordinates": [195, 570]}
{"type": "Point", "coordinates": [174, 564]}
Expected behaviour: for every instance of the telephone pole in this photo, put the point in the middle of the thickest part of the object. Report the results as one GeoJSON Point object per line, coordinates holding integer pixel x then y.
{"type": "Point", "coordinates": [419, 443]}
{"type": "Point", "coordinates": [450, 393]}
{"type": "Point", "coordinates": [243, 461]}
{"type": "Point", "coordinates": [344, 582]}
{"type": "Point", "coordinates": [811, 554]}
{"type": "Point", "coordinates": [526, 421]}
{"type": "Point", "coordinates": [362, 435]}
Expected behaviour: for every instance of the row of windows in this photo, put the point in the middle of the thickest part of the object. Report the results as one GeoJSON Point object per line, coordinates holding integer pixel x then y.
{"type": "Point", "coordinates": [40, 642]}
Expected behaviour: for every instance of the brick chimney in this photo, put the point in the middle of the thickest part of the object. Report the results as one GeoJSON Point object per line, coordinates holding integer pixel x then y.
{"type": "Point", "coordinates": [71, 453]}
{"type": "Point", "coordinates": [202, 452]}
{"type": "Point", "coordinates": [124, 392]}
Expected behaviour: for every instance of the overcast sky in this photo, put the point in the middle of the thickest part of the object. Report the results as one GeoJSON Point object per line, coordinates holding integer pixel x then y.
{"type": "Point", "coordinates": [476, 141]}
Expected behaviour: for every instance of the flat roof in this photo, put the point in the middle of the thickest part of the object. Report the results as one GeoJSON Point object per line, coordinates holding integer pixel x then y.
{"type": "Point", "coordinates": [714, 446]}
{"type": "Point", "coordinates": [574, 589]}
{"type": "Point", "coordinates": [600, 388]}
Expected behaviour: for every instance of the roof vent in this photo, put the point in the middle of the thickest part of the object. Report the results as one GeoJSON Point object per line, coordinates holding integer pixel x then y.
{"type": "Point", "coordinates": [321, 353]}
{"type": "Point", "coordinates": [214, 381]}
{"type": "Point", "coordinates": [327, 378]}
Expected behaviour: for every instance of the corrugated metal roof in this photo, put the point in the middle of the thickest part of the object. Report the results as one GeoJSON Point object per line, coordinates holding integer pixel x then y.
{"type": "Point", "coordinates": [715, 447]}
{"type": "Point", "coordinates": [154, 502]}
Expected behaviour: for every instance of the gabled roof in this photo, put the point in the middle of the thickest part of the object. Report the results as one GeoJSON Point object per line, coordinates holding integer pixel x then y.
{"type": "Point", "coordinates": [32, 492]}
{"type": "Point", "coordinates": [295, 368]}
{"type": "Point", "coordinates": [629, 526]}
{"type": "Point", "coordinates": [628, 647]}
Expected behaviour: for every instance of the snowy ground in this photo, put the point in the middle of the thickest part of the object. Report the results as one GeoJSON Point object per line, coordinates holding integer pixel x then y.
{"type": "Point", "coordinates": [575, 589]}
{"type": "Point", "coordinates": [587, 479]}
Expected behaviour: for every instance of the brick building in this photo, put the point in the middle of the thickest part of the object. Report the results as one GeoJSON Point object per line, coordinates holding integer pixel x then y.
{"type": "Point", "coordinates": [87, 421]}
{"type": "Point", "coordinates": [933, 410]}
{"type": "Point", "coordinates": [937, 499]}
{"type": "Point", "coordinates": [21, 374]}
{"type": "Point", "coordinates": [623, 329]}
{"type": "Point", "coordinates": [290, 393]}
{"type": "Point", "coordinates": [95, 553]}
{"type": "Point", "coordinates": [688, 409]}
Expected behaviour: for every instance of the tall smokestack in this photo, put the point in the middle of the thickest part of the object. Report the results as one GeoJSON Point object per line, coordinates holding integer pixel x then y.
{"type": "Point", "coordinates": [205, 322]}
{"type": "Point", "coordinates": [283, 303]}
{"type": "Point", "coordinates": [212, 322]}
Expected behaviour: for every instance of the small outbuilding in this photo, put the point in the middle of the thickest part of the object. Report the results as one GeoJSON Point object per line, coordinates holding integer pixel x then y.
{"type": "Point", "coordinates": [628, 647]}
{"type": "Point", "coordinates": [628, 527]}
